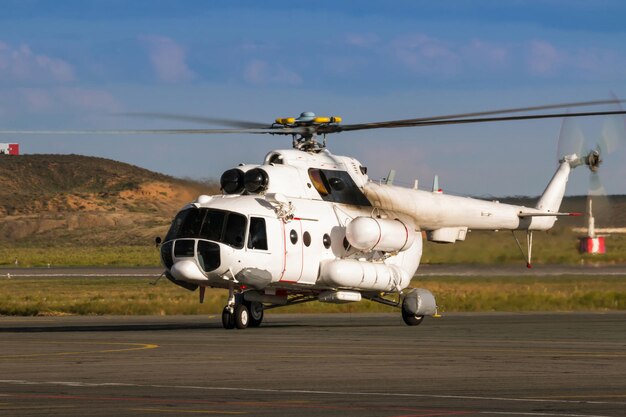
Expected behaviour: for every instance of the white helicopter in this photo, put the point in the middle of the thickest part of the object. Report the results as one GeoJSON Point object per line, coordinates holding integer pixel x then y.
{"type": "Point", "coordinates": [308, 225]}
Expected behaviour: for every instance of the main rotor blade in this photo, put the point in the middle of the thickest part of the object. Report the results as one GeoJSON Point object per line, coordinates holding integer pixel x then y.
{"type": "Point", "coordinates": [271, 131]}
{"type": "Point", "coordinates": [486, 113]}
{"type": "Point", "coordinates": [199, 119]}
{"type": "Point", "coordinates": [462, 121]}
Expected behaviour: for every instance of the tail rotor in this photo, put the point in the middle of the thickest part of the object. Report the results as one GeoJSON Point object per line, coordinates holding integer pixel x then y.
{"type": "Point", "coordinates": [572, 141]}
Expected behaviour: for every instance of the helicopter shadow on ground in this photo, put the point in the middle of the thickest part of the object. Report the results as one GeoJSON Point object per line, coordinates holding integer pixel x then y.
{"type": "Point", "coordinates": [338, 321]}
{"type": "Point", "coordinates": [108, 328]}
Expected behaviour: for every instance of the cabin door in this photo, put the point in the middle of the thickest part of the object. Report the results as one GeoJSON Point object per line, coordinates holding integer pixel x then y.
{"type": "Point", "coordinates": [293, 254]}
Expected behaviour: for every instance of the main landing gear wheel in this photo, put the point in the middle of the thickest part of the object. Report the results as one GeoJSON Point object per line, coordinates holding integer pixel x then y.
{"type": "Point", "coordinates": [242, 316]}
{"type": "Point", "coordinates": [411, 319]}
{"type": "Point", "coordinates": [256, 314]}
{"type": "Point", "coordinates": [228, 319]}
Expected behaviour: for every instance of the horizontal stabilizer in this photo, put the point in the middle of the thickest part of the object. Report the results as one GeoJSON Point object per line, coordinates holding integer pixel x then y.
{"type": "Point", "coordinates": [544, 214]}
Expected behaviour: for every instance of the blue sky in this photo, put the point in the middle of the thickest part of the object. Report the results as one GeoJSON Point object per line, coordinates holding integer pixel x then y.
{"type": "Point", "coordinates": [76, 64]}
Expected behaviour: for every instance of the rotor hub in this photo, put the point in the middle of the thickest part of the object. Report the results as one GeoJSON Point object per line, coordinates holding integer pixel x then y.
{"type": "Point", "coordinates": [305, 128]}
{"type": "Point", "coordinates": [593, 160]}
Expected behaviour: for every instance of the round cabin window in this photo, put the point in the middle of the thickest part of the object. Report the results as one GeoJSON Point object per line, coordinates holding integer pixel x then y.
{"type": "Point", "coordinates": [306, 238]}
{"type": "Point", "coordinates": [326, 241]}
{"type": "Point", "coordinates": [293, 236]}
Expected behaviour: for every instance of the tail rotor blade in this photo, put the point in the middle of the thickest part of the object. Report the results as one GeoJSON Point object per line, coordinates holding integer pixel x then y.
{"type": "Point", "coordinates": [571, 139]}
{"type": "Point", "coordinates": [596, 188]}
{"type": "Point", "coordinates": [602, 207]}
{"type": "Point", "coordinates": [613, 134]}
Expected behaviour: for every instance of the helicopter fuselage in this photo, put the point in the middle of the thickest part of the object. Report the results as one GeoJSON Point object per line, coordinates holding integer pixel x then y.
{"type": "Point", "coordinates": [313, 223]}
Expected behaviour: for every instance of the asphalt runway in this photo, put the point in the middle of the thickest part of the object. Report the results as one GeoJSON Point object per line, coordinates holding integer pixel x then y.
{"type": "Point", "coordinates": [568, 364]}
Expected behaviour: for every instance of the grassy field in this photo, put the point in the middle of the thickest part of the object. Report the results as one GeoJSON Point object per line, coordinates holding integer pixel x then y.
{"type": "Point", "coordinates": [146, 255]}
{"type": "Point", "coordinates": [559, 246]}
{"type": "Point", "coordinates": [134, 296]}
{"type": "Point", "coordinates": [554, 247]}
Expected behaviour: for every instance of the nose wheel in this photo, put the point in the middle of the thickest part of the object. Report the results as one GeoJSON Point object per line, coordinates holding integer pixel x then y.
{"type": "Point", "coordinates": [228, 318]}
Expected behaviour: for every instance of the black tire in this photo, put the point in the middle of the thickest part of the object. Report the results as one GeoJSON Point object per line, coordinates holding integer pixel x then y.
{"type": "Point", "coordinates": [242, 316]}
{"type": "Point", "coordinates": [256, 314]}
{"type": "Point", "coordinates": [410, 319]}
{"type": "Point", "coordinates": [228, 320]}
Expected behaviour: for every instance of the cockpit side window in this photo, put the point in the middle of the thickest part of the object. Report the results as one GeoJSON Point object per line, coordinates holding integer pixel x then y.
{"type": "Point", "coordinates": [174, 231]}
{"type": "Point", "coordinates": [257, 236]}
{"type": "Point", "coordinates": [235, 231]}
{"type": "Point", "coordinates": [337, 186]}
{"type": "Point", "coordinates": [186, 224]}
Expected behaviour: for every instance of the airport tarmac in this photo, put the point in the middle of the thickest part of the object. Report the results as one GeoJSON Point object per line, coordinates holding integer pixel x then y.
{"type": "Point", "coordinates": [530, 364]}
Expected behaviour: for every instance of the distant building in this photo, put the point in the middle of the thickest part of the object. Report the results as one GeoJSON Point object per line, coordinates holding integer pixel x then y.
{"type": "Point", "coordinates": [9, 148]}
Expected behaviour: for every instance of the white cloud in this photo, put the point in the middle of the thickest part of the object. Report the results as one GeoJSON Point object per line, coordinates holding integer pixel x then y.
{"type": "Point", "coordinates": [363, 40]}
{"type": "Point", "coordinates": [544, 58]}
{"type": "Point", "coordinates": [598, 62]}
{"type": "Point", "coordinates": [167, 58]}
{"type": "Point", "coordinates": [88, 99]}
{"type": "Point", "coordinates": [260, 72]}
{"type": "Point", "coordinates": [487, 55]}
{"type": "Point", "coordinates": [426, 55]}
{"type": "Point", "coordinates": [22, 64]}
{"type": "Point", "coordinates": [39, 100]}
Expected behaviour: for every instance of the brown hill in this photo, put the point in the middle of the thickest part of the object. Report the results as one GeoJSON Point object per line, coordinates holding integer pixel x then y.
{"type": "Point", "coordinates": [75, 200]}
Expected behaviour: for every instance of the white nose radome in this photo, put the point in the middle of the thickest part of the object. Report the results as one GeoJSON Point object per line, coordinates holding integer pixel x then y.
{"type": "Point", "coordinates": [187, 270]}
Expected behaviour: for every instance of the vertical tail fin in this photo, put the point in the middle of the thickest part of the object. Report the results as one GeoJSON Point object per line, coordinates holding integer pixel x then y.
{"type": "Point", "coordinates": [553, 194]}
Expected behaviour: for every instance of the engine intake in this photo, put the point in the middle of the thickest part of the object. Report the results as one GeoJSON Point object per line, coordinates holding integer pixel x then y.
{"type": "Point", "coordinates": [256, 180]}
{"type": "Point", "coordinates": [232, 181]}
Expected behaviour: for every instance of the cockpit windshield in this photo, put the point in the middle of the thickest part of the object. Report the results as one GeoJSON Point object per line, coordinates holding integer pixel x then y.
{"type": "Point", "coordinates": [210, 224]}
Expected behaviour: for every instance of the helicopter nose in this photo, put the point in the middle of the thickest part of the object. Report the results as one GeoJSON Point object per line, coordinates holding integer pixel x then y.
{"type": "Point", "coordinates": [191, 260]}
{"type": "Point", "coordinates": [187, 270]}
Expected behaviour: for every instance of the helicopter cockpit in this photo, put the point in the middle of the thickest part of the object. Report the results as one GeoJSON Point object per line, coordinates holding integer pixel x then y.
{"type": "Point", "coordinates": [196, 232]}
